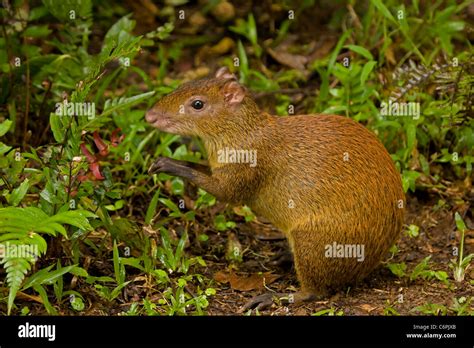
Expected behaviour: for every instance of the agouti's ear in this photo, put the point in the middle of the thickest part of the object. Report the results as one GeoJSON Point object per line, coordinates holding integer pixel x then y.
{"type": "Point", "coordinates": [234, 93]}
{"type": "Point", "coordinates": [224, 73]}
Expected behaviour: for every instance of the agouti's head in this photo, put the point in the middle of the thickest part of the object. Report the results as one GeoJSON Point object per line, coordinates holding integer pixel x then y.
{"type": "Point", "coordinates": [206, 108]}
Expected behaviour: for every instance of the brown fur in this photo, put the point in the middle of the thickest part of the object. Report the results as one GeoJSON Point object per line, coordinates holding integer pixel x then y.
{"type": "Point", "coordinates": [319, 178]}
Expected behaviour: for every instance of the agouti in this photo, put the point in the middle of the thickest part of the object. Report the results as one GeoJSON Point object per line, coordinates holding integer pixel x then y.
{"type": "Point", "coordinates": [324, 180]}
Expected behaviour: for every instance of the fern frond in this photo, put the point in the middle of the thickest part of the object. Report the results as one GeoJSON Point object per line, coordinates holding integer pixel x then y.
{"type": "Point", "coordinates": [454, 85]}
{"type": "Point", "coordinates": [21, 228]}
{"type": "Point", "coordinates": [16, 268]}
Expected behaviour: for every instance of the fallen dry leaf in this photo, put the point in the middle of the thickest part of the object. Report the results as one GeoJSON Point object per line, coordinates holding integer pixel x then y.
{"type": "Point", "coordinates": [322, 48]}
{"type": "Point", "coordinates": [23, 296]}
{"type": "Point", "coordinates": [390, 56]}
{"type": "Point", "coordinates": [255, 281]}
{"type": "Point", "coordinates": [294, 61]}
{"type": "Point", "coordinates": [366, 307]}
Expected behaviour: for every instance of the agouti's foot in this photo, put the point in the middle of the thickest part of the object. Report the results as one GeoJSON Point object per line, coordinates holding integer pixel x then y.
{"type": "Point", "coordinates": [260, 302]}
{"type": "Point", "coordinates": [283, 259]}
{"type": "Point", "coordinates": [266, 300]}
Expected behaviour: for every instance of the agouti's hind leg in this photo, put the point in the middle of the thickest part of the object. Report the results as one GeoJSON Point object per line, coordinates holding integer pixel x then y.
{"type": "Point", "coordinates": [306, 262]}
{"type": "Point", "coordinates": [266, 300]}
{"type": "Point", "coordinates": [283, 258]}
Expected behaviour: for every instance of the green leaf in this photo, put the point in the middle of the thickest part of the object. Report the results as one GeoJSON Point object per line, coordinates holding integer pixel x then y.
{"type": "Point", "coordinates": [150, 212]}
{"type": "Point", "coordinates": [77, 303]}
{"type": "Point", "coordinates": [4, 148]}
{"type": "Point", "coordinates": [62, 9]}
{"type": "Point", "coordinates": [244, 64]}
{"type": "Point", "coordinates": [368, 67]}
{"type": "Point", "coordinates": [32, 219]}
{"type": "Point", "coordinates": [116, 291]}
{"type": "Point", "coordinates": [45, 277]}
{"type": "Point", "coordinates": [119, 33]}
{"type": "Point", "coordinates": [360, 50]}
{"type": "Point", "coordinates": [420, 268]}
{"type": "Point", "coordinates": [413, 231]}
{"type": "Point", "coordinates": [56, 127]}
{"type": "Point", "coordinates": [461, 226]}
{"type": "Point", "coordinates": [335, 52]}
{"type": "Point", "coordinates": [44, 296]}
{"type": "Point", "coordinates": [252, 29]}
{"type": "Point", "coordinates": [384, 10]}
{"type": "Point", "coordinates": [453, 26]}
{"type": "Point", "coordinates": [411, 136]}
{"type": "Point", "coordinates": [16, 269]}
{"type": "Point", "coordinates": [397, 268]}
{"type": "Point", "coordinates": [18, 193]}
{"type": "Point", "coordinates": [409, 180]}
{"type": "Point", "coordinates": [121, 103]}
{"type": "Point", "coordinates": [4, 127]}
{"type": "Point", "coordinates": [116, 258]}
{"type": "Point", "coordinates": [37, 31]}
{"type": "Point", "coordinates": [170, 205]}
{"type": "Point", "coordinates": [79, 271]}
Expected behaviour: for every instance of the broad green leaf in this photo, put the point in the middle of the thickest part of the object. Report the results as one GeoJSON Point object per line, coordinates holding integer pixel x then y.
{"type": "Point", "coordinates": [150, 212]}
{"type": "Point", "coordinates": [119, 32]}
{"type": "Point", "coordinates": [461, 226]}
{"type": "Point", "coordinates": [384, 10]}
{"type": "Point", "coordinates": [170, 205]}
{"type": "Point", "coordinates": [397, 268]}
{"type": "Point", "coordinates": [368, 67]}
{"type": "Point", "coordinates": [361, 50]}
{"type": "Point", "coordinates": [56, 127]}
{"type": "Point", "coordinates": [18, 193]}
{"type": "Point", "coordinates": [37, 31]}
{"type": "Point", "coordinates": [4, 127]}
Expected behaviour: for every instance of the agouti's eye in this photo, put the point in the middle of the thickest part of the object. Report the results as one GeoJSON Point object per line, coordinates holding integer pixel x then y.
{"type": "Point", "coordinates": [197, 104]}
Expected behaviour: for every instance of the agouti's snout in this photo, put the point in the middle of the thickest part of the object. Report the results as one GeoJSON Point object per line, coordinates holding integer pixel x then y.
{"type": "Point", "coordinates": [152, 116]}
{"type": "Point", "coordinates": [157, 118]}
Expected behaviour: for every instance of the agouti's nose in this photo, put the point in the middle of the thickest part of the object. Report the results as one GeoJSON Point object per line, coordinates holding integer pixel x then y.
{"type": "Point", "coordinates": [151, 116]}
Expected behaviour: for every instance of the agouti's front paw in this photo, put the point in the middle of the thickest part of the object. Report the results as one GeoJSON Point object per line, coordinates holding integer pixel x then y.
{"type": "Point", "coordinates": [162, 165]}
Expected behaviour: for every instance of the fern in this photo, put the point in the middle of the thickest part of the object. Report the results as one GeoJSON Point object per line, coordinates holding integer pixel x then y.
{"type": "Point", "coordinates": [16, 268]}
{"type": "Point", "coordinates": [454, 84]}
{"type": "Point", "coordinates": [112, 105]}
{"type": "Point", "coordinates": [21, 228]}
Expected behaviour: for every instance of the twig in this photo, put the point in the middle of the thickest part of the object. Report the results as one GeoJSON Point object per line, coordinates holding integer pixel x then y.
{"type": "Point", "coordinates": [27, 108]}
{"type": "Point", "coordinates": [43, 134]}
